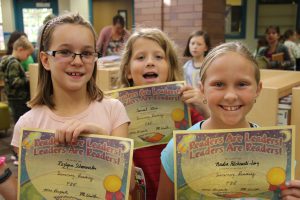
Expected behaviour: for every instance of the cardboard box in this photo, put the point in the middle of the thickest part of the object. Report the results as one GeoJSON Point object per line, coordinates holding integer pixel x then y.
{"type": "Point", "coordinates": [107, 78]}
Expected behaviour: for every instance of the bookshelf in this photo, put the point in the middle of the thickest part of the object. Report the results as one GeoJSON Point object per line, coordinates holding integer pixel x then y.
{"type": "Point", "coordinates": [295, 119]}
{"type": "Point", "coordinates": [277, 84]}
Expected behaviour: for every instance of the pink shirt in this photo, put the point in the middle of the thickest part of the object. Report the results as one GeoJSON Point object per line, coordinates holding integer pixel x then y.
{"type": "Point", "coordinates": [105, 38]}
{"type": "Point", "coordinates": [108, 114]}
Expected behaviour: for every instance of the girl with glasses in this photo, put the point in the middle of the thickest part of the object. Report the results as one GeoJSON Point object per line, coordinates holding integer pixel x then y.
{"type": "Point", "coordinates": [67, 98]}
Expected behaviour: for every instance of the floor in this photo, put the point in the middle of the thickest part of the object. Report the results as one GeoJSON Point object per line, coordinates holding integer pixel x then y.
{"type": "Point", "coordinates": [6, 150]}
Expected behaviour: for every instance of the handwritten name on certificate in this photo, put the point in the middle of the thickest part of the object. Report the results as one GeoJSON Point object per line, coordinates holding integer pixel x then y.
{"type": "Point", "coordinates": [95, 167]}
{"type": "Point", "coordinates": [233, 163]}
{"type": "Point", "coordinates": [155, 111]}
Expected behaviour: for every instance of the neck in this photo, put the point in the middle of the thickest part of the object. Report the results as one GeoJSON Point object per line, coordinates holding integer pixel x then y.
{"type": "Point", "coordinates": [14, 54]}
{"type": "Point", "coordinates": [198, 58]}
{"type": "Point", "coordinates": [70, 103]}
{"type": "Point", "coordinates": [212, 124]}
{"type": "Point", "coordinates": [273, 45]}
{"type": "Point", "coordinates": [198, 61]}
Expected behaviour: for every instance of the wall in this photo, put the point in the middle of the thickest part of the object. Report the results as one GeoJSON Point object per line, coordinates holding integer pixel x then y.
{"type": "Point", "coordinates": [63, 6]}
{"type": "Point", "coordinates": [250, 40]}
{"type": "Point", "coordinates": [283, 15]}
{"type": "Point", "coordinates": [80, 6]}
{"type": "Point", "coordinates": [105, 10]}
{"type": "Point", "coordinates": [178, 18]}
{"type": "Point", "coordinates": [8, 15]}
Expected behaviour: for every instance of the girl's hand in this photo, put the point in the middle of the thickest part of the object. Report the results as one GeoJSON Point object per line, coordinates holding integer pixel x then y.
{"type": "Point", "coordinates": [292, 191]}
{"type": "Point", "coordinates": [193, 97]}
{"type": "Point", "coordinates": [72, 129]}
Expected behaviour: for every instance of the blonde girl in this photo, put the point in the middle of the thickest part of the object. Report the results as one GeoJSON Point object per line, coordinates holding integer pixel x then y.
{"type": "Point", "coordinates": [230, 90]}
{"type": "Point", "coordinates": [150, 57]}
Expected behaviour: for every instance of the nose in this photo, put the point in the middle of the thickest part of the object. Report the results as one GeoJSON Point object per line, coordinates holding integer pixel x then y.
{"type": "Point", "coordinates": [77, 59]}
{"type": "Point", "coordinates": [150, 61]}
{"type": "Point", "coordinates": [230, 95]}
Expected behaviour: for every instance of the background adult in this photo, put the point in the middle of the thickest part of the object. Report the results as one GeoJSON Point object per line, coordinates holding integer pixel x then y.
{"type": "Point", "coordinates": [112, 38]}
{"type": "Point", "coordinates": [274, 49]}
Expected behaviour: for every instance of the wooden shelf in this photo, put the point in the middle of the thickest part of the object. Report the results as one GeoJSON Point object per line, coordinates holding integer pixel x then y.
{"type": "Point", "coordinates": [296, 121]}
{"type": "Point", "coordinates": [277, 84]}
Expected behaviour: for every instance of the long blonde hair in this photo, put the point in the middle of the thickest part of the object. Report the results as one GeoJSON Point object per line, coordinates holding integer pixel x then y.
{"type": "Point", "coordinates": [45, 87]}
{"type": "Point", "coordinates": [168, 46]}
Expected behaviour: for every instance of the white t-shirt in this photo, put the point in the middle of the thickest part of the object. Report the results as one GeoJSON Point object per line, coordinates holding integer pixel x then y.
{"type": "Point", "coordinates": [191, 74]}
{"type": "Point", "coordinates": [108, 114]}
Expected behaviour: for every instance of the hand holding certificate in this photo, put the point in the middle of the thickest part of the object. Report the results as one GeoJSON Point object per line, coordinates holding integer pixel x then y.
{"type": "Point", "coordinates": [95, 167]}
{"type": "Point", "coordinates": [233, 163]}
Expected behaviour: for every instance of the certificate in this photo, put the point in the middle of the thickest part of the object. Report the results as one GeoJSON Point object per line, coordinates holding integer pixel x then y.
{"type": "Point", "coordinates": [95, 167]}
{"type": "Point", "coordinates": [155, 111]}
{"type": "Point", "coordinates": [233, 163]}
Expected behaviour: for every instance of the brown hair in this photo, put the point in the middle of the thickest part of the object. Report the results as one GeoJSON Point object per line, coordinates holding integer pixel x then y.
{"type": "Point", "coordinates": [168, 46]}
{"type": "Point", "coordinates": [45, 87]}
{"type": "Point", "coordinates": [206, 38]}
{"type": "Point", "coordinates": [224, 48]}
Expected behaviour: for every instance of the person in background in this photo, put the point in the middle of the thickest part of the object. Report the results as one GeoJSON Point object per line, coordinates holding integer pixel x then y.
{"type": "Point", "coordinates": [290, 37]}
{"type": "Point", "coordinates": [230, 84]}
{"type": "Point", "coordinates": [112, 38]}
{"type": "Point", "coordinates": [274, 48]}
{"type": "Point", "coordinates": [261, 44]}
{"type": "Point", "coordinates": [16, 82]}
{"type": "Point", "coordinates": [197, 47]}
{"type": "Point", "coordinates": [298, 35]}
{"type": "Point", "coordinates": [13, 37]}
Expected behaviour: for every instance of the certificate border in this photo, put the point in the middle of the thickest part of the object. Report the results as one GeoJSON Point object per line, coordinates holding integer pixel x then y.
{"type": "Point", "coordinates": [82, 135]}
{"type": "Point", "coordinates": [215, 131]}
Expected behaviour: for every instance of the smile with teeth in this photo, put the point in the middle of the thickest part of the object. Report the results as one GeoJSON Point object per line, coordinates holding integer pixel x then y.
{"type": "Point", "coordinates": [75, 74]}
{"type": "Point", "coordinates": [150, 75]}
{"type": "Point", "coordinates": [231, 108]}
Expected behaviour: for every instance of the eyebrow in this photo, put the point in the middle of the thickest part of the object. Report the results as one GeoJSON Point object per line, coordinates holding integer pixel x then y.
{"type": "Point", "coordinates": [70, 45]}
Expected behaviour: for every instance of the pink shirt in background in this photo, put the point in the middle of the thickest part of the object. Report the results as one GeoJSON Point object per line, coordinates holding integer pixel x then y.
{"type": "Point", "coordinates": [105, 38]}
{"type": "Point", "coordinates": [108, 114]}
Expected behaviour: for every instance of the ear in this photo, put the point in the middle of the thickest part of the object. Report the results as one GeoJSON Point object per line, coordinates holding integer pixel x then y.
{"type": "Point", "coordinates": [259, 88]}
{"type": "Point", "coordinates": [44, 58]}
{"type": "Point", "coordinates": [19, 49]}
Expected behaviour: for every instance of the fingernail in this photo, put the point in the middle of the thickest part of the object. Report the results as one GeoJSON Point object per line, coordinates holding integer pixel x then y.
{"type": "Point", "coordinates": [287, 183]}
